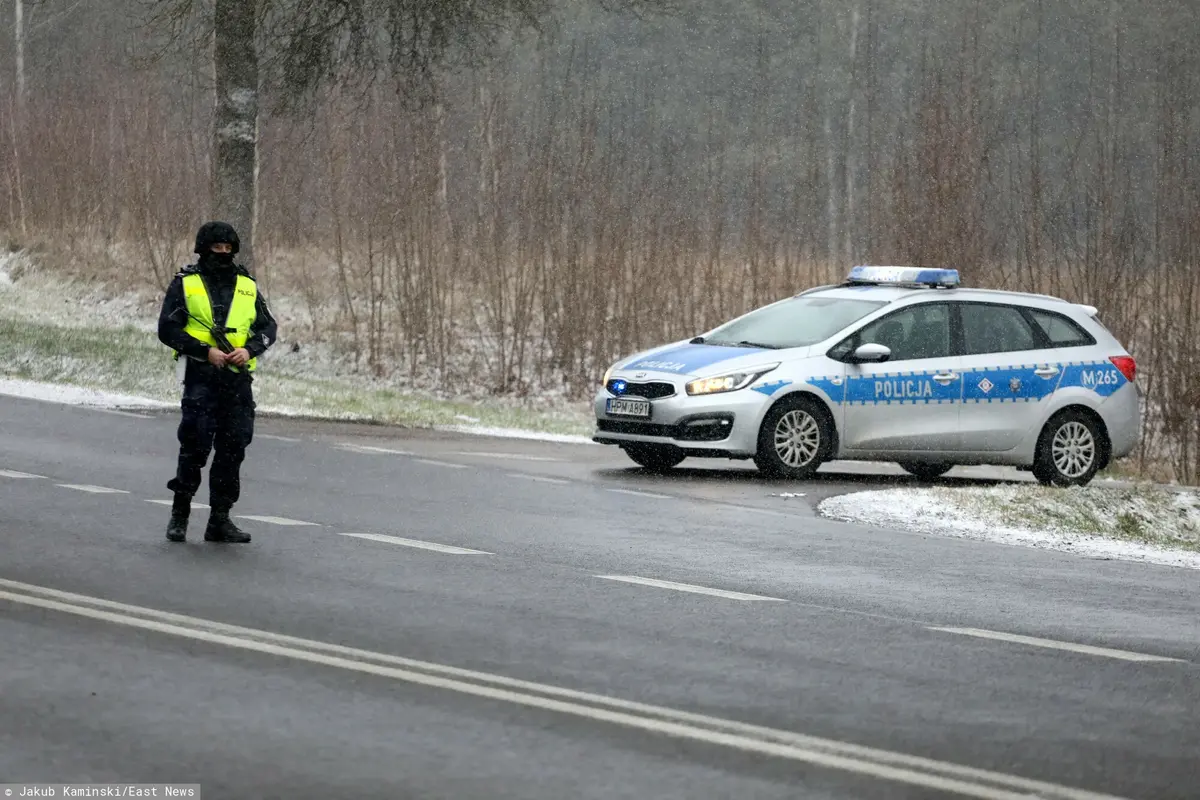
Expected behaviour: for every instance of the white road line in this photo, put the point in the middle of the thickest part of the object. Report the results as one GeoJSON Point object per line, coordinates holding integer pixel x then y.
{"type": "Point", "coordinates": [8, 473]}
{"type": "Point", "coordinates": [275, 438]}
{"type": "Point", "coordinates": [537, 478]}
{"type": "Point", "coordinates": [365, 448]}
{"type": "Point", "coordinates": [640, 494]}
{"type": "Point", "coordinates": [687, 587]}
{"type": "Point", "coordinates": [170, 503]}
{"type": "Point", "coordinates": [115, 412]}
{"type": "Point", "coordinates": [1087, 649]}
{"type": "Point", "coordinates": [441, 548]}
{"type": "Point", "coordinates": [514, 456]}
{"type": "Point", "coordinates": [873, 762]}
{"type": "Point", "coordinates": [434, 463]}
{"type": "Point", "coordinates": [92, 489]}
{"type": "Point", "coordinates": [276, 520]}
{"type": "Point", "coordinates": [767, 512]}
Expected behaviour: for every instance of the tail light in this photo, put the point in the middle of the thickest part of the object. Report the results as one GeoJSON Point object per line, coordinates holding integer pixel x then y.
{"type": "Point", "coordinates": [1127, 366]}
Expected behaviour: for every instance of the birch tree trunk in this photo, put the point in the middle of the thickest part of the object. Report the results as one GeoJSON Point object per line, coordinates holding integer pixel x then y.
{"type": "Point", "coordinates": [235, 163]}
{"type": "Point", "coordinates": [19, 42]}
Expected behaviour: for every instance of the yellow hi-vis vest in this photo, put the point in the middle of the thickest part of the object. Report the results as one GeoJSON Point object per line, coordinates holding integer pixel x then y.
{"type": "Point", "coordinates": [242, 313]}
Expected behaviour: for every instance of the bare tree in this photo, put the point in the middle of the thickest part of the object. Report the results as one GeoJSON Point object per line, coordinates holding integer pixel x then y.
{"type": "Point", "coordinates": [235, 167]}
{"type": "Point", "coordinates": [308, 44]}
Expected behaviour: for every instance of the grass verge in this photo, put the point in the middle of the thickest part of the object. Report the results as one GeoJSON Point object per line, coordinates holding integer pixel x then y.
{"type": "Point", "coordinates": [1142, 514]}
{"type": "Point", "coordinates": [130, 360]}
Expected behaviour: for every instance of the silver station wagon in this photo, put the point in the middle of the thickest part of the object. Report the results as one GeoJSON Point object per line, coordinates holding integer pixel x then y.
{"type": "Point", "coordinates": [897, 364]}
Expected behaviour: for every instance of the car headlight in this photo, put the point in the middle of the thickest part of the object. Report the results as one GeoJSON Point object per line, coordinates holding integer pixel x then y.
{"type": "Point", "coordinates": [607, 374]}
{"type": "Point", "coordinates": [727, 383]}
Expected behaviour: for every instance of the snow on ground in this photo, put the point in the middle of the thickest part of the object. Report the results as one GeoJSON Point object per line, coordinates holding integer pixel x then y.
{"type": "Point", "coordinates": [75, 396]}
{"type": "Point", "coordinates": [1143, 523]}
{"type": "Point", "coordinates": [515, 433]}
{"type": "Point", "coordinates": [92, 398]}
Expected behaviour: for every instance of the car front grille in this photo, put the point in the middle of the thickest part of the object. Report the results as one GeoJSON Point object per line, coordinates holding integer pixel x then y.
{"type": "Point", "coordinates": [638, 428]}
{"type": "Point", "coordinates": [702, 428]}
{"type": "Point", "coordinates": [652, 390]}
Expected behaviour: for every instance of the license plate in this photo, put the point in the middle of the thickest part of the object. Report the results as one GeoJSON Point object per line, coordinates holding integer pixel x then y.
{"type": "Point", "coordinates": [624, 407]}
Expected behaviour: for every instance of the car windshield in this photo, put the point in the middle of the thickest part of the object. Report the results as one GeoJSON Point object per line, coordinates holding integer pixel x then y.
{"type": "Point", "coordinates": [798, 322]}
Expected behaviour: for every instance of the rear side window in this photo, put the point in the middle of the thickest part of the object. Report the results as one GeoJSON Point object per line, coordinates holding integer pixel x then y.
{"type": "Point", "coordinates": [1059, 330]}
{"type": "Point", "coordinates": [995, 329]}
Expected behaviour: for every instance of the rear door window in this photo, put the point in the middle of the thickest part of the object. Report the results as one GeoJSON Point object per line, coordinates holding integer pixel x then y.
{"type": "Point", "coordinates": [990, 328]}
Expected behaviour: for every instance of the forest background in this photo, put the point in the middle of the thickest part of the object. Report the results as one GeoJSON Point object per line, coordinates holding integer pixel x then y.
{"type": "Point", "coordinates": [615, 181]}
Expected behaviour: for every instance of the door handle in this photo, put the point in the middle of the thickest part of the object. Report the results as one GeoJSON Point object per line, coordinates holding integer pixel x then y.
{"type": "Point", "coordinates": [1046, 372]}
{"type": "Point", "coordinates": [945, 377]}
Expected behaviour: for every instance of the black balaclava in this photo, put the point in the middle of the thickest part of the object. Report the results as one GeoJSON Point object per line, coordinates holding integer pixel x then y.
{"type": "Point", "coordinates": [211, 233]}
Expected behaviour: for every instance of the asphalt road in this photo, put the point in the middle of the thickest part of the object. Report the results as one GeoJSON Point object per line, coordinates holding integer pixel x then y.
{"type": "Point", "coordinates": [516, 619]}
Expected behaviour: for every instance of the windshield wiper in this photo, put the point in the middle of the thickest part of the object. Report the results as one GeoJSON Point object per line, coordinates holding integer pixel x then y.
{"type": "Point", "coordinates": [758, 344]}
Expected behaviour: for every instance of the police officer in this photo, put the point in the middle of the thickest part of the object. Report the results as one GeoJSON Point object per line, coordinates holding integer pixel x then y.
{"type": "Point", "coordinates": [214, 295]}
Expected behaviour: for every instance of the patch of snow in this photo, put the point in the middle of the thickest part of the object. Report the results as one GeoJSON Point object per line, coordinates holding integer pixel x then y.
{"type": "Point", "coordinates": [960, 514]}
{"type": "Point", "coordinates": [788, 494]}
{"type": "Point", "coordinates": [76, 396]}
{"type": "Point", "coordinates": [515, 433]}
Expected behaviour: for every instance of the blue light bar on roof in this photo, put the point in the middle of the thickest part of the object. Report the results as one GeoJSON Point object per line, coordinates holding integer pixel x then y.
{"type": "Point", "coordinates": [908, 275]}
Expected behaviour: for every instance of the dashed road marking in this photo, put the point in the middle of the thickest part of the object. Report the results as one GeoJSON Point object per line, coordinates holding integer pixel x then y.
{"type": "Point", "coordinates": [91, 489]}
{"type": "Point", "coordinates": [275, 438]}
{"type": "Point", "coordinates": [1033, 641]}
{"type": "Point", "coordinates": [369, 449]}
{"type": "Point", "coordinates": [170, 503]}
{"type": "Point", "coordinates": [117, 413]}
{"type": "Point", "coordinates": [9, 473]}
{"type": "Point", "coordinates": [514, 456]}
{"type": "Point", "coordinates": [441, 548]}
{"type": "Point", "coordinates": [276, 520]}
{"type": "Point", "coordinates": [687, 587]}
{"type": "Point", "coordinates": [876, 763]}
{"type": "Point", "coordinates": [767, 512]}
{"type": "Point", "coordinates": [537, 478]}
{"type": "Point", "coordinates": [636, 493]}
{"type": "Point", "coordinates": [431, 462]}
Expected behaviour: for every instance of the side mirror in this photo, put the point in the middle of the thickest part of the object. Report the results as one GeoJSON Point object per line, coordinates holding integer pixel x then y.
{"type": "Point", "coordinates": [872, 354]}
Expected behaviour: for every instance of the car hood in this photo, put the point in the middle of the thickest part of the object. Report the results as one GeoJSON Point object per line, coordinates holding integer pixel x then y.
{"type": "Point", "coordinates": [704, 360]}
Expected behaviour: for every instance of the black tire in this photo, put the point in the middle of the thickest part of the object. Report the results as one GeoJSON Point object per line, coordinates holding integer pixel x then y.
{"type": "Point", "coordinates": [800, 427]}
{"type": "Point", "coordinates": [926, 472]}
{"type": "Point", "coordinates": [657, 457]}
{"type": "Point", "coordinates": [1070, 450]}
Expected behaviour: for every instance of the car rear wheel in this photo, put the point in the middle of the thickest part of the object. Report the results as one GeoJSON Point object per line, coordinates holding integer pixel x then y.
{"type": "Point", "coordinates": [655, 456]}
{"type": "Point", "coordinates": [926, 472]}
{"type": "Point", "coordinates": [795, 439]}
{"type": "Point", "coordinates": [1069, 450]}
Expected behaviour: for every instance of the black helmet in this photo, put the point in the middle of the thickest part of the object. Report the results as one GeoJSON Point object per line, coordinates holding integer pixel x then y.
{"type": "Point", "coordinates": [211, 233]}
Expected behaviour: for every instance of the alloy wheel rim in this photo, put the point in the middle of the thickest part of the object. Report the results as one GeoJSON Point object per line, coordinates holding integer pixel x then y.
{"type": "Point", "coordinates": [1073, 449]}
{"type": "Point", "coordinates": [797, 438]}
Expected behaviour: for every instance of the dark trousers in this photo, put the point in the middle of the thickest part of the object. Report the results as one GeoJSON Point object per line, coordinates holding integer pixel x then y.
{"type": "Point", "coordinates": [217, 415]}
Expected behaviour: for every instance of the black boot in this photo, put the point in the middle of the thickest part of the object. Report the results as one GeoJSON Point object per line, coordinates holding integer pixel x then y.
{"type": "Point", "coordinates": [221, 529]}
{"type": "Point", "coordinates": [180, 510]}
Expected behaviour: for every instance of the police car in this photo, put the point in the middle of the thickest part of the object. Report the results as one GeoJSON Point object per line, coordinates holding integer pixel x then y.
{"type": "Point", "coordinates": [895, 364]}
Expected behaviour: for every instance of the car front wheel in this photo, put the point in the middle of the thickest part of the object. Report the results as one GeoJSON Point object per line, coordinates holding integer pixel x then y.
{"type": "Point", "coordinates": [795, 439]}
{"type": "Point", "coordinates": [1069, 450]}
